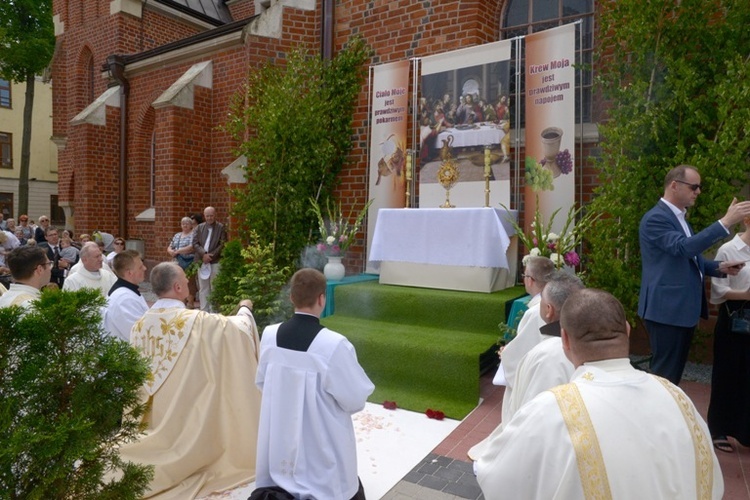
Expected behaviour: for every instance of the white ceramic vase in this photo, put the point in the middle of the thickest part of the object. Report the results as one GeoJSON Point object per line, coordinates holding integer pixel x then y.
{"type": "Point", "coordinates": [334, 270]}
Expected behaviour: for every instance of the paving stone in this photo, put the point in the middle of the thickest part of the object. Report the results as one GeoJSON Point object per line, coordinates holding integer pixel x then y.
{"type": "Point", "coordinates": [463, 490]}
{"type": "Point", "coordinates": [413, 476]}
{"type": "Point", "coordinates": [433, 482]}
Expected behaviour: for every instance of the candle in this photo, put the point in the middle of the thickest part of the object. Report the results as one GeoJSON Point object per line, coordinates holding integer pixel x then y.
{"type": "Point", "coordinates": [487, 160]}
{"type": "Point", "coordinates": [408, 165]}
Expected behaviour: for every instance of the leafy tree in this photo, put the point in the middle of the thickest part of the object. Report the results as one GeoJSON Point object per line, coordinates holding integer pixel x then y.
{"type": "Point", "coordinates": [64, 387]}
{"type": "Point", "coordinates": [298, 119]}
{"type": "Point", "coordinates": [27, 43]}
{"type": "Point", "coordinates": [250, 273]}
{"type": "Point", "coordinates": [677, 76]}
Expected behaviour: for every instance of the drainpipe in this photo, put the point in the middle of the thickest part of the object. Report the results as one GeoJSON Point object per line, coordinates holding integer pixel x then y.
{"type": "Point", "coordinates": [116, 64]}
{"type": "Point", "coordinates": [326, 38]}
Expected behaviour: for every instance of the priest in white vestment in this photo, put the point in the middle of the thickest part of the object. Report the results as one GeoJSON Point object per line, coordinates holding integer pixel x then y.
{"type": "Point", "coordinates": [312, 385]}
{"type": "Point", "coordinates": [125, 304]}
{"type": "Point", "coordinates": [202, 425]}
{"type": "Point", "coordinates": [31, 270]}
{"type": "Point", "coordinates": [613, 432]}
{"type": "Point", "coordinates": [545, 366]}
{"type": "Point", "coordinates": [91, 273]}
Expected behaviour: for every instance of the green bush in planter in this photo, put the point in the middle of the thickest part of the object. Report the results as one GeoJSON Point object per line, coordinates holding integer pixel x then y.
{"type": "Point", "coordinates": [64, 387]}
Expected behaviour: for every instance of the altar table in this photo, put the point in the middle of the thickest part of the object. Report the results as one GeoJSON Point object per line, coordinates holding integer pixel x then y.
{"type": "Point", "coordinates": [471, 249]}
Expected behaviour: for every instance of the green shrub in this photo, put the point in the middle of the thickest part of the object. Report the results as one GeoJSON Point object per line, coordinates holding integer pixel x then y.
{"type": "Point", "coordinates": [64, 388]}
{"type": "Point", "coordinates": [251, 273]}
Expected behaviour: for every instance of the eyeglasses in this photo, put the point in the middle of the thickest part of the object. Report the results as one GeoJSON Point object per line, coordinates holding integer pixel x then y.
{"type": "Point", "coordinates": [527, 276]}
{"type": "Point", "coordinates": [119, 243]}
{"type": "Point", "coordinates": [48, 263]}
{"type": "Point", "coordinates": [43, 220]}
{"type": "Point", "coordinates": [693, 187]}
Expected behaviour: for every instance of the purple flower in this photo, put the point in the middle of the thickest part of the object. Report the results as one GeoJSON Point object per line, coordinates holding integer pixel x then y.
{"type": "Point", "coordinates": [342, 238]}
{"type": "Point", "coordinates": [552, 246]}
{"type": "Point", "coordinates": [335, 249]}
{"type": "Point", "coordinates": [572, 259]}
{"type": "Point", "coordinates": [321, 248]}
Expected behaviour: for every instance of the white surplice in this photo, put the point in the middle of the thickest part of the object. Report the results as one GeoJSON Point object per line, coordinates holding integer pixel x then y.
{"type": "Point", "coordinates": [306, 443]}
{"type": "Point", "coordinates": [124, 307]}
{"type": "Point", "coordinates": [542, 368]}
{"type": "Point", "coordinates": [202, 428]}
{"type": "Point", "coordinates": [613, 432]}
{"type": "Point", "coordinates": [101, 280]}
{"type": "Point", "coordinates": [19, 295]}
{"type": "Point", "coordinates": [526, 338]}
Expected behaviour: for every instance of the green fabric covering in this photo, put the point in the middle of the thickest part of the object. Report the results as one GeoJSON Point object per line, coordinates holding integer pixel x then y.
{"type": "Point", "coordinates": [421, 346]}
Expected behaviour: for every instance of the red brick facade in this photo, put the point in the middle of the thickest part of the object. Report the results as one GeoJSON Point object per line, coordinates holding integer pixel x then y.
{"type": "Point", "coordinates": [190, 151]}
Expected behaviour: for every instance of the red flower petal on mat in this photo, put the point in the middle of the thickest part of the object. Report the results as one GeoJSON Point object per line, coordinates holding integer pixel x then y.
{"type": "Point", "coordinates": [439, 415]}
{"type": "Point", "coordinates": [390, 405]}
{"type": "Point", "coordinates": [430, 413]}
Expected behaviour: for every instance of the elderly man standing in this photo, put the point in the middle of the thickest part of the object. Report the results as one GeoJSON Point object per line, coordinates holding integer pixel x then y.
{"type": "Point", "coordinates": [30, 269]}
{"type": "Point", "coordinates": [202, 428]}
{"type": "Point", "coordinates": [91, 274]}
{"type": "Point", "coordinates": [125, 305]}
{"type": "Point", "coordinates": [208, 241]}
{"type": "Point", "coordinates": [613, 432]}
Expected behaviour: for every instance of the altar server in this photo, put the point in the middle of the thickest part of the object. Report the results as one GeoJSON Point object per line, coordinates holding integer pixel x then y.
{"type": "Point", "coordinates": [202, 425]}
{"type": "Point", "coordinates": [312, 384]}
{"type": "Point", "coordinates": [613, 432]}
{"type": "Point", "coordinates": [125, 304]}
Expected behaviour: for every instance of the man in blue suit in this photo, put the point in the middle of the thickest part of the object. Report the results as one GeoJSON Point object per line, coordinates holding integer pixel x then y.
{"type": "Point", "coordinates": [672, 292]}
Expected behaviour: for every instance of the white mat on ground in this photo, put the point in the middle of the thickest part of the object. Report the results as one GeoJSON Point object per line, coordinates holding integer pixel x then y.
{"type": "Point", "coordinates": [389, 444]}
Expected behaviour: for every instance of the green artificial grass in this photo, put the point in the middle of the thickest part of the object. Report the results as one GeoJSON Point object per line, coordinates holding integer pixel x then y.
{"type": "Point", "coordinates": [420, 346]}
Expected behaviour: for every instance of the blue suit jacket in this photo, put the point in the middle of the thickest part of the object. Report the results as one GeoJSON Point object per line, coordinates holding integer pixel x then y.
{"type": "Point", "coordinates": [672, 290]}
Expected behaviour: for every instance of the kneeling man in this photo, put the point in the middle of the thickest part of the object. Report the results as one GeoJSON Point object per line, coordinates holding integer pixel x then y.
{"type": "Point", "coordinates": [613, 432]}
{"type": "Point", "coordinates": [312, 385]}
{"type": "Point", "coordinates": [202, 424]}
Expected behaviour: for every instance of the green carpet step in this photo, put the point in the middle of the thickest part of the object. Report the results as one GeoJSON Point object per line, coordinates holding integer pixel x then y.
{"type": "Point", "coordinates": [417, 366]}
{"type": "Point", "coordinates": [443, 309]}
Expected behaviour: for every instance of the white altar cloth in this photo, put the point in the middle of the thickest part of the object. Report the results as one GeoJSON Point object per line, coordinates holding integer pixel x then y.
{"type": "Point", "coordinates": [485, 133]}
{"type": "Point", "coordinates": [457, 249]}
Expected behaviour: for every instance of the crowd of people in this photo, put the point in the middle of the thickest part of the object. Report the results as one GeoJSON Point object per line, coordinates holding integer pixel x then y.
{"type": "Point", "coordinates": [578, 420]}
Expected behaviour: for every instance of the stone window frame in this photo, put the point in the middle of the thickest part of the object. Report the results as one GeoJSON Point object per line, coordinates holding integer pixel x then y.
{"type": "Point", "coordinates": [6, 95]}
{"type": "Point", "coordinates": [6, 150]}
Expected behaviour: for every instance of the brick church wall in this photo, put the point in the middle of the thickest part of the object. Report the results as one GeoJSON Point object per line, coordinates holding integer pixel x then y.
{"type": "Point", "coordinates": [191, 149]}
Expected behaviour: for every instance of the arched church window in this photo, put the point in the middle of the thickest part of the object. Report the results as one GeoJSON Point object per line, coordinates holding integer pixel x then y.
{"type": "Point", "coordinates": [524, 17]}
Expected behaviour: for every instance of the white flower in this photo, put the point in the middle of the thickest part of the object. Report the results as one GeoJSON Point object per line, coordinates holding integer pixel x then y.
{"type": "Point", "coordinates": [535, 252]}
{"type": "Point", "coordinates": [330, 240]}
{"type": "Point", "coordinates": [526, 259]}
{"type": "Point", "coordinates": [552, 237]}
{"type": "Point", "coordinates": [557, 259]}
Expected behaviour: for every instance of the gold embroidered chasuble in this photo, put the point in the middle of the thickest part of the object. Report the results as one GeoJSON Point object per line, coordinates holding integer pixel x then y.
{"type": "Point", "coordinates": [201, 428]}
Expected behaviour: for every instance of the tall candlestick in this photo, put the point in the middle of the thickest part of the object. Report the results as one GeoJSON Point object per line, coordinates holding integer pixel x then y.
{"type": "Point", "coordinates": [407, 201]}
{"type": "Point", "coordinates": [487, 172]}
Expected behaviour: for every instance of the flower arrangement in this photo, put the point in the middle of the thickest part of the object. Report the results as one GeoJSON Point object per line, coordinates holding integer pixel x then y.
{"type": "Point", "coordinates": [336, 232]}
{"type": "Point", "coordinates": [560, 248]}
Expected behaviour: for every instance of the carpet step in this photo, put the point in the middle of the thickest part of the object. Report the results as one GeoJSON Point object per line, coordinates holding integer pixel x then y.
{"type": "Point", "coordinates": [443, 309]}
{"type": "Point", "coordinates": [418, 367]}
